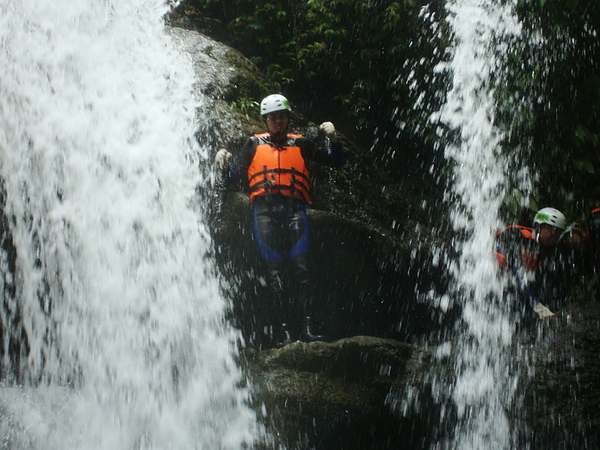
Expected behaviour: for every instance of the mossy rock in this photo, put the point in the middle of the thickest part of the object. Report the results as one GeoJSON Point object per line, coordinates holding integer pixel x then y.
{"type": "Point", "coordinates": [337, 391]}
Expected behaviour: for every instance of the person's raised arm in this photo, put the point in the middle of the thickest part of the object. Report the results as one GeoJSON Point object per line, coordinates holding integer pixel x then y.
{"type": "Point", "coordinates": [335, 154]}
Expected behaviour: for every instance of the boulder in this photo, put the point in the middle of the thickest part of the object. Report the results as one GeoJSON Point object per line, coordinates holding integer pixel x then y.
{"type": "Point", "coordinates": [334, 395]}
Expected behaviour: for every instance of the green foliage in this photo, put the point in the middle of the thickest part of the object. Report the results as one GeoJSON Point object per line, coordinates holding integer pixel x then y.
{"type": "Point", "coordinates": [246, 106]}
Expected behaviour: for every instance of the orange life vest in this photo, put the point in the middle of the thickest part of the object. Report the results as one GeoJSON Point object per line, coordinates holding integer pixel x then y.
{"type": "Point", "coordinates": [530, 259]}
{"type": "Point", "coordinates": [278, 171]}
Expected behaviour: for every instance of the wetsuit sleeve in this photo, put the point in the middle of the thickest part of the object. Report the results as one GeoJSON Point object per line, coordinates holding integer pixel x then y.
{"type": "Point", "coordinates": [238, 172]}
{"type": "Point", "coordinates": [334, 156]}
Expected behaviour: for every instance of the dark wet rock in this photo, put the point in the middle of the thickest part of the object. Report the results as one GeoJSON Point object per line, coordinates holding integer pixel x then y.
{"type": "Point", "coordinates": [14, 344]}
{"type": "Point", "coordinates": [562, 394]}
{"type": "Point", "coordinates": [333, 395]}
{"type": "Point", "coordinates": [364, 282]}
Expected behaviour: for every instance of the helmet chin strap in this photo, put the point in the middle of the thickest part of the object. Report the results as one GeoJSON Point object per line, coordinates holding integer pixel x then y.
{"type": "Point", "coordinates": [279, 136]}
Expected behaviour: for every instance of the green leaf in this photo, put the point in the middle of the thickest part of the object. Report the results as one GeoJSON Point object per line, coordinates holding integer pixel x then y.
{"type": "Point", "coordinates": [584, 165]}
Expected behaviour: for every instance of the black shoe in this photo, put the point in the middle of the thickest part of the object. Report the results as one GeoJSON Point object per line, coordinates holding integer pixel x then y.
{"type": "Point", "coordinates": [305, 333]}
{"type": "Point", "coordinates": [285, 337]}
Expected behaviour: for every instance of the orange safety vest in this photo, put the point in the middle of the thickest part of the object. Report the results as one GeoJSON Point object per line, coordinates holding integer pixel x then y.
{"type": "Point", "coordinates": [530, 259]}
{"type": "Point", "coordinates": [279, 171]}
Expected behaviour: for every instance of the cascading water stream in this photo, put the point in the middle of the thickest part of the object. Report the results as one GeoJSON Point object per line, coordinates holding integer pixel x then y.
{"type": "Point", "coordinates": [128, 347]}
{"type": "Point", "coordinates": [483, 388]}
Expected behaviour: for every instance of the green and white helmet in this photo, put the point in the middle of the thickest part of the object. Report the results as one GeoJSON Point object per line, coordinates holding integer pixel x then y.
{"type": "Point", "coordinates": [274, 103]}
{"type": "Point", "coordinates": [552, 217]}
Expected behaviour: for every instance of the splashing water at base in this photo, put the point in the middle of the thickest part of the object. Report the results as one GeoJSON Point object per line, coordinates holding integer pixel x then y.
{"type": "Point", "coordinates": [128, 347]}
{"type": "Point", "coordinates": [484, 385]}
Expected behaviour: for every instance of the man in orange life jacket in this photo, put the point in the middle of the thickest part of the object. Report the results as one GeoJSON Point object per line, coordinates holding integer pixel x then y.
{"type": "Point", "coordinates": [593, 237]}
{"type": "Point", "coordinates": [591, 247]}
{"type": "Point", "coordinates": [273, 166]}
{"type": "Point", "coordinates": [537, 258]}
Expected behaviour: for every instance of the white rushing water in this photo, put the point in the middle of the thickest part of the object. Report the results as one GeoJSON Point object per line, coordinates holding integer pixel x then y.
{"type": "Point", "coordinates": [121, 306]}
{"type": "Point", "coordinates": [484, 386]}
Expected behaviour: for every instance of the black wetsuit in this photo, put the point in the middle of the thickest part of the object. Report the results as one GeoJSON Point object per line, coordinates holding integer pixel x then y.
{"type": "Point", "coordinates": [551, 269]}
{"type": "Point", "coordinates": [281, 231]}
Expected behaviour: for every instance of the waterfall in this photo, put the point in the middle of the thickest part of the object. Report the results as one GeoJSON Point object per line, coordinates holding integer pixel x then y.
{"type": "Point", "coordinates": [483, 387]}
{"type": "Point", "coordinates": [113, 285]}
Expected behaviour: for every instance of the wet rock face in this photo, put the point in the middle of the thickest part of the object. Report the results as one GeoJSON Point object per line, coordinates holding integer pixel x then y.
{"type": "Point", "coordinates": [562, 396]}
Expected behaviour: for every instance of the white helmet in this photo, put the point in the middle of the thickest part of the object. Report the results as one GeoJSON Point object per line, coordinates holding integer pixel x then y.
{"type": "Point", "coordinates": [273, 103]}
{"type": "Point", "coordinates": [552, 217]}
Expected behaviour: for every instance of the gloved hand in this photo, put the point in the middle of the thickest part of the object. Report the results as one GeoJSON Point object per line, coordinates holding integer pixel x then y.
{"type": "Point", "coordinates": [328, 129]}
{"type": "Point", "coordinates": [223, 159]}
{"type": "Point", "coordinates": [542, 311]}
